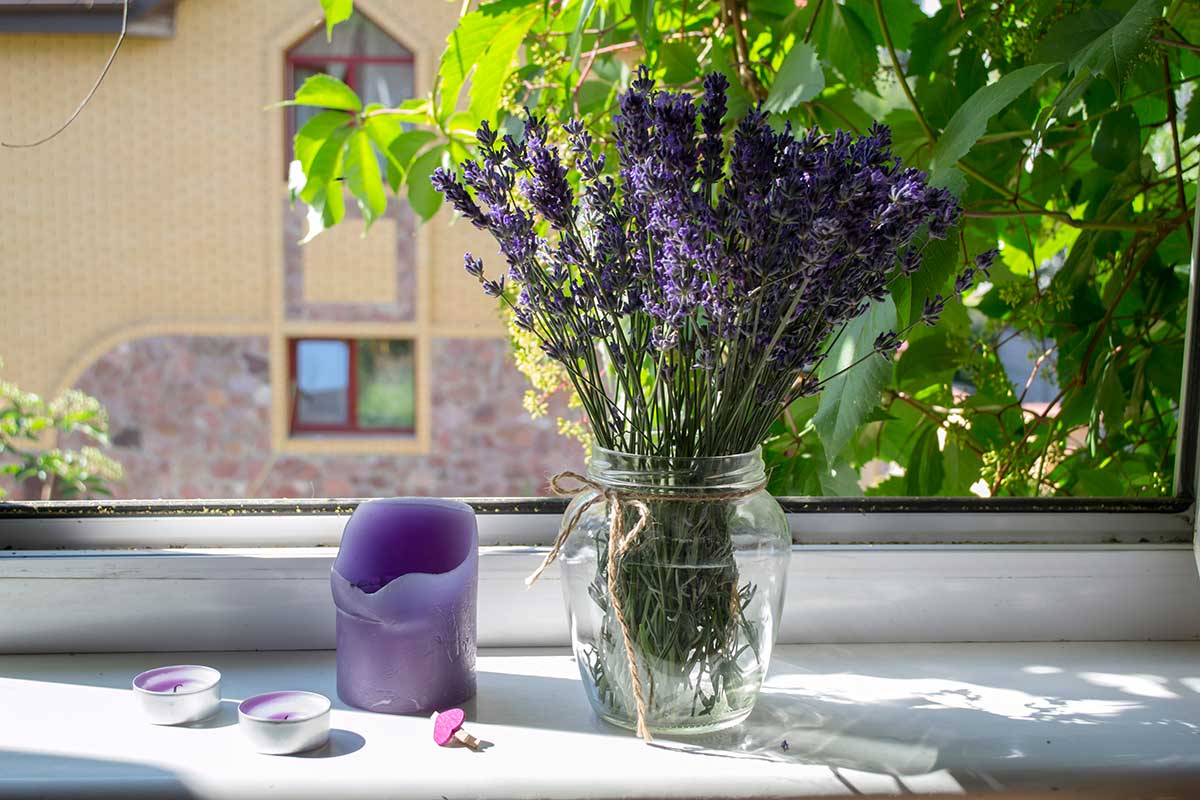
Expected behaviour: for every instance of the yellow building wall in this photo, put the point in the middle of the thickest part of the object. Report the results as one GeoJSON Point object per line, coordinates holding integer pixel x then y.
{"type": "Point", "coordinates": [159, 210]}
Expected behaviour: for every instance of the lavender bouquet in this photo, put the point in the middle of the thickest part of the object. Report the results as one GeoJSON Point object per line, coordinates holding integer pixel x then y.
{"type": "Point", "coordinates": [690, 294]}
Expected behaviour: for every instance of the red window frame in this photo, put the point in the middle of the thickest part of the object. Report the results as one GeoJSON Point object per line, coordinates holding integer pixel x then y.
{"type": "Point", "coordinates": [351, 61]}
{"type": "Point", "coordinates": [295, 426]}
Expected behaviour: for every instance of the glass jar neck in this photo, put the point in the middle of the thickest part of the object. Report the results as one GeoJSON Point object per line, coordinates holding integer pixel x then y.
{"type": "Point", "coordinates": [631, 472]}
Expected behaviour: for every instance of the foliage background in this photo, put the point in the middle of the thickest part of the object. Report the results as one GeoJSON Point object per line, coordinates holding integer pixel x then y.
{"type": "Point", "coordinates": [1069, 130]}
{"type": "Point", "coordinates": [26, 420]}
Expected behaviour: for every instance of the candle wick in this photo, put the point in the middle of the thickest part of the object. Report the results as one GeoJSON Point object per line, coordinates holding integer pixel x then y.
{"type": "Point", "coordinates": [175, 688]}
{"type": "Point", "coordinates": [285, 716]}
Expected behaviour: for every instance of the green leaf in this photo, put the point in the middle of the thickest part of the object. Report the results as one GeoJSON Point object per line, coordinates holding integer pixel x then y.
{"type": "Point", "coordinates": [423, 198]}
{"type": "Point", "coordinates": [1092, 482]}
{"type": "Point", "coordinates": [1115, 51]}
{"type": "Point", "coordinates": [468, 43]}
{"type": "Point", "coordinates": [836, 478]}
{"type": "Point", "coordinates": [1111, 400]}
{"type": "Point", "coordinates": [677, 61]}
{"type": "Point", "coordinates": [927, 360]}
{"type": "Point", "coordinates": [405, 147]}
{"type": "Point", "coordinates": [925, 471]}
{"type": "Point", "coordinates": [326, 209]}
{"type": "Point", "coordinates": [938, 265]}
{"type": "Point", "coordinates": [1164, 368]}
{"type": "Point", "coordinates": [1192, 114]}
{"type": "Point", "coordinates": [644, 19]}
{"type": "Point", "coordinates": [849, 398]}
{"type": "Point", "coordinates": [575, 40]}
{"type": "Point", "coordinates": [1112, 54]}
{"type": "Point", "coordinates": [901, 15]}
{"type": "Point", "coordinates": [363, 178]}
{"type": "Point", "coordinates": [335, 11]}
{"type": "Point", "coordinates": [843, 40]}
{"type": "Point", "coordinates": [970, 120]}
{"type": "Point", "coordinates": [325, 166]}
{"type": "Point", "coordinates": [1117, 141]}
{"type": "Point", "coordinates": [312, 136]}
{"type": "Point", "coordinates": [1071, 34]}
{"type": "Point", "coordinates": [865, 55]}
{"type": "Point", "coordinates": [401, 151]}
{"type": "Point", "coordinates": [383, 129]}
{"type": "Point", "coordinates": [325, 91]}
{"type": "Point", "coordinates": [799, 79]}
{"type": "Point", "coordinates": [952, 179]}
{"type": "Point", "coordinates": [492, 71]}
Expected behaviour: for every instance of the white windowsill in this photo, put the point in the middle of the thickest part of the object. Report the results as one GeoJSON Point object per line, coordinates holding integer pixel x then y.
{"type": "Point", "coordinates": [279, 598]}
{"type": "Point", "coordinates": [1101, 719]}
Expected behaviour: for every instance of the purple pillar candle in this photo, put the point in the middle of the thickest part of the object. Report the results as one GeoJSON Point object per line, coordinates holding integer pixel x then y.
{"type": "Point", "coordinates": [404, 583]}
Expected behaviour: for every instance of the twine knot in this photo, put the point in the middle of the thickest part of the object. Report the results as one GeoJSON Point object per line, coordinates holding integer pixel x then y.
{"type": "Point", "coordinates": [619, 542]}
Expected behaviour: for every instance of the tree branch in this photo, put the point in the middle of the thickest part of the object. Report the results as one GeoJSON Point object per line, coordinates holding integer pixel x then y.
{"type": "Point", "coordinates": [732, 10]}
{"type": "Point", "coordinates": [812, 23]}
{"type": "Point", "coordinates": [1174, 43]}
{"type": "Point", "coordinates": [912, 101]}
{"type": "Point", "coordinates": [1031, 208]}
{"type": "Point", "coordinates": [1067, 219]}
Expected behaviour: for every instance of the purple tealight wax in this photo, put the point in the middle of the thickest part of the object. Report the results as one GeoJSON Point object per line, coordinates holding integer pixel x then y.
{"type": "Point", "coordinates": [179, 694]}
{"type": "Point", "coordinates": [279, 723]}
{"type": "Point", "coordinates": [404, 583]}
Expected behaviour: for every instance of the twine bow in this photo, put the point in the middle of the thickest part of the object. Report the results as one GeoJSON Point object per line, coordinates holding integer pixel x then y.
{"type": "Point", "coordinates": [619, 542]}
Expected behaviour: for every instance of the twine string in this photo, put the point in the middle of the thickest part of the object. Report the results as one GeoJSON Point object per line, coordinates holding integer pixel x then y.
{"type": "Point", "coordinates": [619, 542]}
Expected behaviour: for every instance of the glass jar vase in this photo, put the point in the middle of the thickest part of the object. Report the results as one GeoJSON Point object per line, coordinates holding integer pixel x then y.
{"type": "Point", "coordinates": [700, 587]}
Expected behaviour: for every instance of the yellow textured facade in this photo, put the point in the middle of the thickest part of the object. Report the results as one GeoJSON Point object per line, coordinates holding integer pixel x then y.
{"type": "Point", "coordinates": [159, 210]}
{"type": "Point", "coordinates": [344, 266]}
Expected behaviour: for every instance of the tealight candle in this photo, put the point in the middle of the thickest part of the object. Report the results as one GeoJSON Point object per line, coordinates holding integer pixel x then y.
{"type": "Point", "coordinates": [279, 723]}
{"type": "Point", "coordinates": [180, 694]}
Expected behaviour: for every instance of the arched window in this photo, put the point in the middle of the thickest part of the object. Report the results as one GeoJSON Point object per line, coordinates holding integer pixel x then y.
{"type": "Point", "coordinates": [360, 53]}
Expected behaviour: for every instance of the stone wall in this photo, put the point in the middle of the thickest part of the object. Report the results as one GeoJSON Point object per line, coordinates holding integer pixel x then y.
{"type": "Point", "coordinates": [190, 418]}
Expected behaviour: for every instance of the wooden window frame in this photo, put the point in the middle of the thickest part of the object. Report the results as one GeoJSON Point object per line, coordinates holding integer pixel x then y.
{"type": "Point", "coordinates": [351, 426]}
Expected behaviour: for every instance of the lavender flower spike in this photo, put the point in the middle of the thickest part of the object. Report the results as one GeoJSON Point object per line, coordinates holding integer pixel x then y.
{"type": "Point", "coordinates": [695, 262]}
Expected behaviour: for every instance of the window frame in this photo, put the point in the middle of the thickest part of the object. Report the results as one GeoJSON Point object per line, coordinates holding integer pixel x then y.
{"type": "Point", "coordinates": [298, 429]}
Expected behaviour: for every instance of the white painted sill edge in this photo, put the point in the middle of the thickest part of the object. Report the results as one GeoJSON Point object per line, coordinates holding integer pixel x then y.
{"type": "Point", "coordinates": [325, 530]}
{"type": "Point", "coordinates": [278, 598]}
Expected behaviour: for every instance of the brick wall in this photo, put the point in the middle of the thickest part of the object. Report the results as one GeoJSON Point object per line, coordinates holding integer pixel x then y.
{"type": "Point", "coordinates": [190, 418]}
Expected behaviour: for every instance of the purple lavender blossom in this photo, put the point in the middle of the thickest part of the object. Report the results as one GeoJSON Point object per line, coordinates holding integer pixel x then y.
{"type": "Point", "coordinates": [933, 310]}
{"type": "Point", "coordinates": [984, 261]}
{"type": "Point", "coordinates": [474, 266]}
{"type": "Point", "coordinates": [704, 265]}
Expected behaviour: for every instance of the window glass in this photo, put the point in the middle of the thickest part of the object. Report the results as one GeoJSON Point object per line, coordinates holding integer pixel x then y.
{"type": "Point", "coordinates": [385, 83]}
{"type": "Point", "coordinates": [322, 383]}
{"type": "Point", "coordinates": [385, 384]}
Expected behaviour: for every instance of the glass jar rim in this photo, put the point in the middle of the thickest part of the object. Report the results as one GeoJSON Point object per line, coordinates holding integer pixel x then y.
{"type": "Point", "coordinates": [756, 451]}
{"type": "Point", "coordinates": [670, 474]}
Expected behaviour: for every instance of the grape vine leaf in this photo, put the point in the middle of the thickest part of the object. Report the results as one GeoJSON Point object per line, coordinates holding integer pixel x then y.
{"type": "Point", "coordinates": [469, 42]}
{"type": "Point", "coordinates": [970, 120]}
{"type": "Point", "coordinates": [800, 78]}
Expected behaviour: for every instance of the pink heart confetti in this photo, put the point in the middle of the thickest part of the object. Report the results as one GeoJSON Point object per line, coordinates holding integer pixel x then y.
{"type": "Point", "coordinates": [446, 724]}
